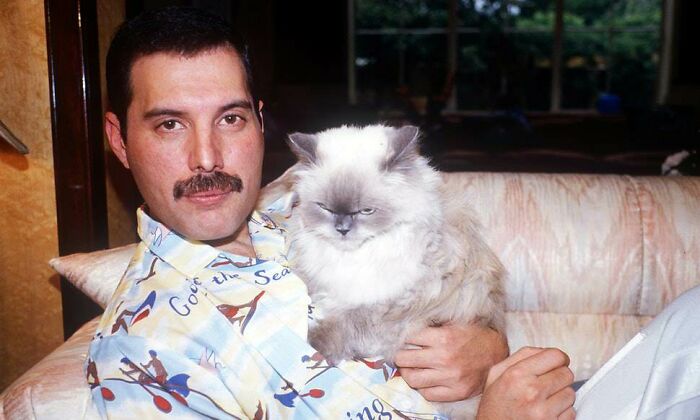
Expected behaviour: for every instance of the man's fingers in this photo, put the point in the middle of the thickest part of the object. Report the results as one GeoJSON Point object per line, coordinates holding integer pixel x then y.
{"type": "Point", "coordinates": [569, 414]}
{"type": "Point", "coordinates": [522, 354]}
{"type": "Point", "coordinates": [532, 379]}
{"type": "Point", "coordinates": [562, 401]}
{"type": "Point", "coordinates": [544, 361]}
{"type": "Point", "coordinates": [421, 358]}
{"type": "Point", "coordinates": [557, 379]}
{"type": "Point", "coordinates": [443, 385]}
{"type": "Point", "coordinates": [420, 378]}
{"type": "Point", "coordinates": [529, 361]}
{"type": "Point", "coordinates": [426, 337]}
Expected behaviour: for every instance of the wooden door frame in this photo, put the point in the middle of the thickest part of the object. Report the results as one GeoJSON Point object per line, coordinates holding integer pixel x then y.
{"type": "Point", "coordinates": [78, 151]}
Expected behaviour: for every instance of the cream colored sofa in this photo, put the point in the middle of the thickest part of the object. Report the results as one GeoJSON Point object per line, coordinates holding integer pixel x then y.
{"type": "Point", "coordinates": [590, 258]}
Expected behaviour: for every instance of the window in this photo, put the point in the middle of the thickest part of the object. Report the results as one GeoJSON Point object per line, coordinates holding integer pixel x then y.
{"type": "Point", "coordinates": [495, 54]}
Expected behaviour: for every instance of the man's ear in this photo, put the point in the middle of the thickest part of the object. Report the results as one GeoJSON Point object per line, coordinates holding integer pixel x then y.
{"type": "Point", "coordinates": [260, 114]}
{"type": "Point", "coordinates": [114, 136]}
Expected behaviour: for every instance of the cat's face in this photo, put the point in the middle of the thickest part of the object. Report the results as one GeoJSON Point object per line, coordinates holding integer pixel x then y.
{"type": "Point", "coordinates": [346, 208]}
{"type": "Point", "coordinates": [356, 183]}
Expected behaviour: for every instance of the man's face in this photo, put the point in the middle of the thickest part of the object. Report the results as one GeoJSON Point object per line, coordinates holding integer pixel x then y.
{"type": "Point", "coordinates": [194, 143]}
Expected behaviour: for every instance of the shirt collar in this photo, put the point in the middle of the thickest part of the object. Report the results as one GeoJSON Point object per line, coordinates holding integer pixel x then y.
{"type": "Point", "coordinates": [271, 243]}
{"type": "Point", "coordinates": [190, 256]}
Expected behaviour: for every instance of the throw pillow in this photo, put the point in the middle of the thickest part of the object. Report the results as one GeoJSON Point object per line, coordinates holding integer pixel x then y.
{"type": "Point", "coordinates": [95, 273]}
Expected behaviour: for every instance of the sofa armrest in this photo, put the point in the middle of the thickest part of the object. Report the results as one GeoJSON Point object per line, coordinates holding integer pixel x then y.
{"type": "Point", "coordinates": [54, 388]}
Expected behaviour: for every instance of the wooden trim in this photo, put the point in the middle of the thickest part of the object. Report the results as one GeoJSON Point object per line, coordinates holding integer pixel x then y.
{"type": "Point", "coordinates": [352, 73]}
{"type": "Point", "coordinates": [78, 151]}
{"type": "Point", "coordinates": [557, 51]}
{"type": "Point", "coordinates": [452, 55]}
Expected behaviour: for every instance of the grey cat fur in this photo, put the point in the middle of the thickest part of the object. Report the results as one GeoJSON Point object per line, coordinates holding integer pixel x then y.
{"type": "Point", "coordinates": [417, 259]}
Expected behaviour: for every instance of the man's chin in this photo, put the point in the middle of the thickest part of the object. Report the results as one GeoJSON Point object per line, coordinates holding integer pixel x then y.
{"type": "Point", "coordinates": [203, 226]}
{"type": "Point", "coordinates": [210, 223]}
{"type": "Point", "coordinates": [211, 236]}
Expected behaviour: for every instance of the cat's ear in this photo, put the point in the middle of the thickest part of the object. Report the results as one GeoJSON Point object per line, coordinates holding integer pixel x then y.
{"type": "Point", "coordinates": [404, 147]}
{"type": "Point", "coordinates": [304, 146]}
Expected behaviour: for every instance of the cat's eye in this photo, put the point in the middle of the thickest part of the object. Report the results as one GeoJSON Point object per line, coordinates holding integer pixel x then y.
{"type": "Point", "coordinates": [367, 211]}
{"type": "Point", "coordinates": [322, 206]}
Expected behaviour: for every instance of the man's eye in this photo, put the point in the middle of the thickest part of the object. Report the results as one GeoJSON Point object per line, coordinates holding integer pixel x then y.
{"type": "Point", "coordinates": [231, 119]}
{"type": "Point", "coordinates": [171, 125]}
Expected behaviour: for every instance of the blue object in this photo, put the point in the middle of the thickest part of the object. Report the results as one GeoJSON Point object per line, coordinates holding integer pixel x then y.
{"type": "Point", "coordinates": [608, 103]}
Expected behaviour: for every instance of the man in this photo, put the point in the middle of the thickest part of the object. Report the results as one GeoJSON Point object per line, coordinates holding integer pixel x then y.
{"type": "Point", "coordinates": [209, 290]}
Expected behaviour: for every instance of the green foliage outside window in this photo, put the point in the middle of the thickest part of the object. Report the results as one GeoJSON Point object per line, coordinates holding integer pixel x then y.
{"type": "Point", "coordinates": [505, 50]}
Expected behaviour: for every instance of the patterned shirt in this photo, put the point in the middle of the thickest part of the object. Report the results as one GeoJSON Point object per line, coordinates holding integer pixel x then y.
{"type": "Point", "coordinates": [194, 332]}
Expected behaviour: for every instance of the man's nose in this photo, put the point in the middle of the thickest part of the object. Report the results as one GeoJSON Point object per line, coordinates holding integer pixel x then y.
{"type": "Point", "coordinates": [205, 155]}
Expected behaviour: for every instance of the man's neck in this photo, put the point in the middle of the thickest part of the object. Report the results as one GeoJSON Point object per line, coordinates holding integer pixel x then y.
{"type": "Point", "coordinates": [238, 244]}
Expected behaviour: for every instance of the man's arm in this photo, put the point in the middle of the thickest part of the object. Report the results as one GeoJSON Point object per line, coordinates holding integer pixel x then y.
{"type": "Point", "coordinates": [533, 383]}
{"type": "Point", "coordinates": [451, 362]}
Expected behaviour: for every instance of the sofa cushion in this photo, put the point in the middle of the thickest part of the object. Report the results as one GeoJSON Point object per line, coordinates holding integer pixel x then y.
{"type": "Point", "coordinates": [96, 273]}
{"type": "Point", "coordinates": [589, 339]}
{"type": "Point", "coordinates": [670, 229]}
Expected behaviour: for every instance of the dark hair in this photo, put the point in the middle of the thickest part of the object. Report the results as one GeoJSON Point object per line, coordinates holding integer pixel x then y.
{"type": "Point", "coordinates": [178, 30]}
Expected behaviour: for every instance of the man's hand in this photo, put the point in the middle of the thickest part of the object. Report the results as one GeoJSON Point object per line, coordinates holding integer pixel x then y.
{"type": "Point", "coordinates": [533, 383]}
{"type": "Point", "coordinates": [451, 362]}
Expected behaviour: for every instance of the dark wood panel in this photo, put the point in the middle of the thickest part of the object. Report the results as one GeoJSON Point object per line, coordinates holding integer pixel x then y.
{"type": "Point", "coordinates": [76, 123]}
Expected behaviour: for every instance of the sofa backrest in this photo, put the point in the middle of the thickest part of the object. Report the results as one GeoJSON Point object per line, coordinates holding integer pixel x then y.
{"type": "Point", "coordinates": [590, 257]}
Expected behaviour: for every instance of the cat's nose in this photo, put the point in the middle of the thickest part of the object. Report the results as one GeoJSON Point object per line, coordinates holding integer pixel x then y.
{"type": "Point", "coordinates": [343, 223]}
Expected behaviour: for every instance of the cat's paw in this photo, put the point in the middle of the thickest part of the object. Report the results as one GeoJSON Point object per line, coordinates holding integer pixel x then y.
{"type": "Point", "coordinates": [328, 343]}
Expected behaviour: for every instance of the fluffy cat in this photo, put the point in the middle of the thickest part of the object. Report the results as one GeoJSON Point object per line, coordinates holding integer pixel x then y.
{"type": "Point", "coordinates": [383, 250]}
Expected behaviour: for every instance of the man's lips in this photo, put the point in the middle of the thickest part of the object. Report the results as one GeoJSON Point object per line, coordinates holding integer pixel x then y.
{"type": "Point", "coordinates": [209, 196]}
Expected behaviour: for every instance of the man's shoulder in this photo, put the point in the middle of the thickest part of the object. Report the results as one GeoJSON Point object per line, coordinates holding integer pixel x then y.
{"type": "Point", "coordinates": [139, 280]}
{"type": "Point", "coordinates": [139, 305]}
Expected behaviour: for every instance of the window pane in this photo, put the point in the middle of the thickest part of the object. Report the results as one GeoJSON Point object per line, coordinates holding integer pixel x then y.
{"type": "Point", "coordinates": [535, 69]}
{"type": "Point", "coordinates": [583, 68]}
{"type": "Point", "coordinates": [610, 47]}
{"type": "Point", "coordinates": [504, 53]}
{"type": "Point", "coordinates": [375, 14]}
{"type": "Point", "coordinates": [633, 67]}
{"type": "Point", "coordinates": [376, 67]}
{"type": "Point", "coordinates": [472, 78]}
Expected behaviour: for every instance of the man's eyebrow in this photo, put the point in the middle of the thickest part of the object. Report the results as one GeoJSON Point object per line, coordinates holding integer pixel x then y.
{"type": "Point", "coordinates": [159, 112]}
{"type": "Point", "coordinates": [240, 103]}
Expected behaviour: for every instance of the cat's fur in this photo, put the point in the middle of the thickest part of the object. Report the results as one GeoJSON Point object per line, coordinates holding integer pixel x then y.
{"type": "Point", "coordinates": [410, 255]}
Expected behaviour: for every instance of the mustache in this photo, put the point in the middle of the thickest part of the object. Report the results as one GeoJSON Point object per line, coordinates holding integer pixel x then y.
{"type": "Point", "coordinates": [201, 183]}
